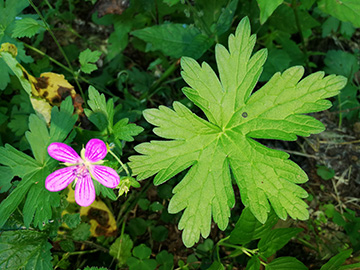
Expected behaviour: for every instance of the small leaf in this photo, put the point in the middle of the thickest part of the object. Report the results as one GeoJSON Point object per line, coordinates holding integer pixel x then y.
{"type": "Point", "coordinates": [86, 58]}
{"type": "Point", "coordinates": [124, 131]}
{"type": "Point", "coordinates": [25, 249]}
{"type": "Point", "coordinates": [275, 240]}
{"type": "Point", "coordinates": [121, 249]}
{"type": "Point", "coordinates": [27, 27]}
{"type": "Point", "coordinates": [165, 260]}
{"type": "Point", "coordinates": [175, 40]}
{"type": "Point", "coordinates": [325, 172]}
{"type": "Point", "coordinates": [267, 8]}
{"type": "Point", "coordinates": [285, 263]}
{"type": "Point", "coordinates": [98, 114]}
{"type": "Point", "coordinates": [72, 220]}
{"type": "Point", "coordinates": [142, 252]}
{"type": "Point", "coordinates": [335, 262]}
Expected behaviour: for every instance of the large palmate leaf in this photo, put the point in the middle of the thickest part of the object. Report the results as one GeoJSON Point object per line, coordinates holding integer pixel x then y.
{"type": "Point", "coordinates": [33, 171]}
{"type": "Point", "coordinates": [225, 145]}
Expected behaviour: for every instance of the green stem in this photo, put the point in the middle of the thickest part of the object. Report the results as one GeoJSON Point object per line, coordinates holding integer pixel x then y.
{"type": "Point", "coordinates": [155, 87]}
{"type": "Point", "coordinates": [298, 25]}
{"type": "Point", "coordinates": [60, 48]}
{"type": "Point", "coordinates": [131, 202]}
{"type": "Point", "coordinates": [67, 69]}
{"type": "Point", "coordinates": [122, 164]}
{"type": "Point", "coordinates": [47, 56]}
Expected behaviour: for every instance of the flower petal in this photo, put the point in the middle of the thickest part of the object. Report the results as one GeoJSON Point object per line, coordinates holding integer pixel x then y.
{"type": "Point", "coordinates": [105, 175]}
{"type": "Point", "coordinates": [95, 150]}
{"type": "Point", "coordinates": [63, 152]}
{"type": "Point", "coordinates": [60, 179]}
{"type": "Point", "coordinates": [85, 190]}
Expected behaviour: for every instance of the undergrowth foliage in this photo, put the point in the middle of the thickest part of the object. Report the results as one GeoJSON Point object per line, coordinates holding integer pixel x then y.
{"type": "Point", "coordinates": [106, 85]}
{"type": "Point", "coordinates": [224, 145]}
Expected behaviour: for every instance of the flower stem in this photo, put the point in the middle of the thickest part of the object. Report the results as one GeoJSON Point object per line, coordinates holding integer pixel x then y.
{"type": "Point", "coordinates": [122, 164]}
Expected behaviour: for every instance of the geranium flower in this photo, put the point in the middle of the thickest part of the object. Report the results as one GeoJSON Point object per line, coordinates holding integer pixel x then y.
{"type": "Point", "coordinates": [81, 169]}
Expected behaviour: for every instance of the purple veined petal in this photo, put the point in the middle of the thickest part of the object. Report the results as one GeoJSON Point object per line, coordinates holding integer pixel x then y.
{"type": "Point", "coordinates": [95, 150]}
{"type": "Point", "coordinates": [85, 190]}
{"type": "Point", "coordinates": [105, 175]}
{"type": "Point", "coordinates": [61, 178]}
{"type": "Point", "coordinates": [63, 152]}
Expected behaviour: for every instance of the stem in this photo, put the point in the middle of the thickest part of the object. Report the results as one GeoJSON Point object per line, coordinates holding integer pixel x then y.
{"type": "Point", "coordinates": [154, 88]}
{"type": "Point", "coordinates": [122, 164]}
{"type": "Point", "coordinates": [340, 111]}
{"type": "Point", "coordinates": [67, 69]}
{"type": "Point", "coordinates": [59, 47]}
{"type": "Point", "coordinates": [129, 204]}
{"type": "Point", "coordinates": [298, 25]}
{"type": "Point", "coordinates": [47, 56]}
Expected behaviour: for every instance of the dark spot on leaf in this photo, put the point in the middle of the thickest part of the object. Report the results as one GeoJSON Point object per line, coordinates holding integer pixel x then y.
{"type": "Point", "coordinates": [100, 230]}
{"type": "Point", "coordinates": [101, 216]}
{"type": "Point", "coordinates": [25, 75]}
{"type": "Point", "coordinates": [56, 100]}
{"type": "Point", "coordinates": [45, 94]}
{"type": "Point", "coordinates": [64, 92]}
{"type": "Point", "coordinates": [42, 83]}
{"type": "Point", "coordinates": [244, 114]}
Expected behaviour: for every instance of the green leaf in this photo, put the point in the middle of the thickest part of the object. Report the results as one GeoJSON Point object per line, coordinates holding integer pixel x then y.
{"type": "Point", "coordinates": [124, 131]}
{"type": "Point", "coordinates": [285, 263]}
{"type": "Point", "coordinates": [98, 114]}
{"type": "Point", "coordinates": [165, 260]}
{"type": "Point", "coordinates": [325, 173]}
{"type": "Point", "coordinates": [248, 228]}
{"type": "Point", "coordinates": [283, 19]}
{"type": "Point", "coordinates": [267, 8]}
{"type": "Point", "coordinates": [344, 10]}
{"type": "Point", "coordinates": [142, 261]}
{"type": "Point", "coordinates": [121, 249]}
{"type": "Point", "coordinates": [24, 249]}
{"type": "Point", "coordinates": [253, 263]}
{"type": "Point", "coordinates": [175, 40]}
{"type": "Point", "coordinates": [27, 27]}
{"type": "Point", "coordinates": [13, 64]}
{"type": "Point", "coordinates": [226, 17]}
{"type": "Point", "coordinates": [335, 262]}
{"type": "Point", "coordinates": [39, 201]}
{"type": "Point", "coordinates": [6, 177]}
{"type": "Point", "coordinates": [342, 63]}
{"type": "Point", "coordinates": [142, 251]}
{"type": "Point", "coordinates": [72, 220]}
{"type": "Point", "coordinates": [216, 266]}
{"type": "Point", "coordinates": [86, 58]}
{"type": "Point", "coordinates": [275, 240]}
{"type": "Point", "coordinates": [226, 142]}
{"type": "Point", "coordinates": [82, 232]}
{"type": "Point", "coordinates": [278, 60]}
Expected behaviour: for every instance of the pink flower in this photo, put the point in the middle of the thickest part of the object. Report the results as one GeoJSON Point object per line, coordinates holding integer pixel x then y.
{"type": "Point", "coordinates": [81, 169]}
